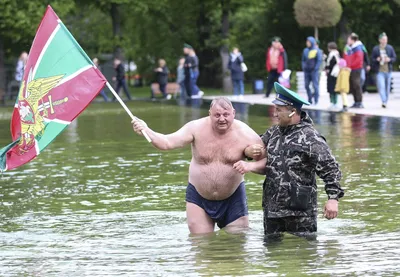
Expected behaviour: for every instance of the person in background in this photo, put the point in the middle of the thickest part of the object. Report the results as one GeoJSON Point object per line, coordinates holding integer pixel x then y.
{"type": "Point", "coordinates": [332, 72]}
{"type": "Point", "coordinates": [343, 83]}
{"type": "Point", "coordinates": [19, 70]}
{"type": "Point", "coordinates": [365, 70]}
{"type": "Point", "coordinates": [180, 78]}
{"type": "Point", "coordinates": [188, 64]}
{"type": "Point", "coordinates": [383, 57]}
{"type": "Point", "coordinates": [275, 63]}
{"type": "Point", "coordinates": [311, 62]}
{"type": "Point", "coordinates": [120, 79]}
{"type": "Point", "coordinates": [196, 92]}
{"type": "Point", "coordinates": [354, 56]}
{"type": "Point", "coordinates": [237, 75]}
{"type": "Point", "coordinates": [102, 92]}
{"type": "Point", "coordinates": [322, 66]}
{"type": "Point", "coordinates": [162, 72]}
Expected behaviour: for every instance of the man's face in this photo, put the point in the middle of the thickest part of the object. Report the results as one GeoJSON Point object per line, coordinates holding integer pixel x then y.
{"type": "Point", "coordinates": [350, 41]}
{"type": "Point", "coordinates": [221, 118]}
{"type": "Point", "coordinates": [308, 44]}
{"type": "Point", "coordinates": [116, 62]}
{"type": "Point", "coordinates": [24, 56]}
{"type": "Point", "coordinates": [383, 40]}
{"type": "Point", "coordinates": [186, 51]}
{"type": "Point", "coordinates": [276, 44]}
{"type": "Point", "coordinates": [282, 115]}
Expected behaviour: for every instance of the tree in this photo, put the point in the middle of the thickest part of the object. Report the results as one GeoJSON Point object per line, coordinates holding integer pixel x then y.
{"type": "Point", "coordinates": [224, 51]}
{"type": "Point", "coordinates": [317, 13]}
{"type": "Point", "coordinates": [114, 9]}
{"type": "Point", "coordinates": [18, 23]}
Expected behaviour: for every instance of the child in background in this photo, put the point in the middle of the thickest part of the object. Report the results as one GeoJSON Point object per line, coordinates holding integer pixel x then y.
{"type": "Point", "coordinates": [284, 78]}
{"type": "Point", "coordinates": [332, 72]}
{"type": "Point", "coordinates": [162, 72]}
{"type": "Point", "coordinates": [180, 78]}
{"type": "Point", "coordinates": [343, 83]}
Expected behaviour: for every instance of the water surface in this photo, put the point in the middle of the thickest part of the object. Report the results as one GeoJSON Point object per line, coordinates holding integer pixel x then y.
{"type": "Point", "coordinates": [101, 201]}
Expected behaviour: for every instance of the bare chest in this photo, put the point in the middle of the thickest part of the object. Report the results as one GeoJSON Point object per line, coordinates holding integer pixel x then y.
{"type": "Point", "coordinates": [227, 150]}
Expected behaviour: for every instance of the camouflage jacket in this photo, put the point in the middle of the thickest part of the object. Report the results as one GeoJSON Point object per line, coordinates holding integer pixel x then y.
{"type": "Point", "coordinates": [295, 154]}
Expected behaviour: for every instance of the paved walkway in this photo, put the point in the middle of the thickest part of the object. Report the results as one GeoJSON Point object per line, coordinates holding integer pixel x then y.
{"type": "Point", "coordinates": [371, 101]}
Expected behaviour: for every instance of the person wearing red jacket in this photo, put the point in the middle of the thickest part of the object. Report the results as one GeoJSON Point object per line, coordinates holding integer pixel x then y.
{"type": "Point", "coordinates": [276, 63]}
{"type": "Point", "coordinates": [354, 56]}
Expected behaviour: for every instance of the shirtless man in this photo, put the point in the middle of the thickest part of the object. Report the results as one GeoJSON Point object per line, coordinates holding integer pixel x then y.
{"type": "Point", "coordinates": [216, 191]}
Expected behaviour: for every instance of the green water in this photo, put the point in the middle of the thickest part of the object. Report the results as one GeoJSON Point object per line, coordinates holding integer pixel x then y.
{"type": "Point", "coordinates": [101, 201]}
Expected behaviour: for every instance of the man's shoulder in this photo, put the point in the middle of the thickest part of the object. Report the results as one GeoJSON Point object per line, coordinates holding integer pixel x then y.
{"type": "Point", "coordinates": [270, 131]}
{"type": "Point", "coordinates": [308, 129]}
{"type": "Point", "coordinates": [240, 123]}
{"type": "Point", "coordinates": [312, 134]}
{"type": "Point", "coordinates": [198, 122]}
{"type": "Point", "coordinates": [240, 126]}
{"type": "Point", "coordinates": [196, 126]}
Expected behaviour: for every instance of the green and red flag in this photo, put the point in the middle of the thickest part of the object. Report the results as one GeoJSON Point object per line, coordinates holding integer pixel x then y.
{"type": "Point", "coordinates": [59, 82]}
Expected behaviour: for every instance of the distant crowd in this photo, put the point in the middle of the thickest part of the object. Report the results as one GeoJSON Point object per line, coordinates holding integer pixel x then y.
{"type": "Point", "coordinates": [187, 75]}
{"type": "Point", "coordinates": [346, 72]}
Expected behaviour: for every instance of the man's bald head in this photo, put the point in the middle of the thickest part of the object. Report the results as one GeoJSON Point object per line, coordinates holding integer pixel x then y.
{"type": "Point", "coordinates": [223, 102]}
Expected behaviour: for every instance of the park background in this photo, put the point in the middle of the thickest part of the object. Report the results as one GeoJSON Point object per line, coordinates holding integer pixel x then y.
{"type": "Point", "coordinates": [102, 201]}
{"type": "Point", "coordinates": [144, 31]}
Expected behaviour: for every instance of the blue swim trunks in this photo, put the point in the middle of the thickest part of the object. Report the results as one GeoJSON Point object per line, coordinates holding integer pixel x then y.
{"type": "Point", "coordinates": [224, 211]}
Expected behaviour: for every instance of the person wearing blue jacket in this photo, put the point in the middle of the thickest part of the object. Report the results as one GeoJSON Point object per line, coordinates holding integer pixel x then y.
{"type": "Point", "coordinates": [311, 62]}
{"type": "Point", "coordinates": [237, 75]}
{"type": "Point", "coordinates": [383, 57]}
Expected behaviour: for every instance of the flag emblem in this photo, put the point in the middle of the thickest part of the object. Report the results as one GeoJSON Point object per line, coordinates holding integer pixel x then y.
{"type": "Point", "coordinates": [59, 82]}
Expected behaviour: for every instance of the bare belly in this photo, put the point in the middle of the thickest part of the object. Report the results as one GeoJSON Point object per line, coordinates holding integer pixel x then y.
{"type": "Point", "coordinates": [214, 181]}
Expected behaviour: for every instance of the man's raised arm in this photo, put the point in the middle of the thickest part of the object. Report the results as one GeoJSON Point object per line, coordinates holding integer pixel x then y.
{"type": "Point", "coordinates": [180, 138]}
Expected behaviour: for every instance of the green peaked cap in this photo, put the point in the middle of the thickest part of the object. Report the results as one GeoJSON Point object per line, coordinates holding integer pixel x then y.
{"type": "Point", "coordinates": [286, 97]}
{"type": "Point", "coordinates": [185, 45]}
{"type": "Point", "coordinates": [382, 35]}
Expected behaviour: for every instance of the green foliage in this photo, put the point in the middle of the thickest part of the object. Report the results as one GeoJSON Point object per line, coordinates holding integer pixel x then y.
{"type": "Point", "coordinates": [20, 19]}
{"type": "Point", "coordinates": [317, 13]}
{"type": "Point", "coordinates": [157, 29]}
{"type": "Point", "coordinates": [93, 32]}
{"type": "Point", "coordinates": [369, 18]}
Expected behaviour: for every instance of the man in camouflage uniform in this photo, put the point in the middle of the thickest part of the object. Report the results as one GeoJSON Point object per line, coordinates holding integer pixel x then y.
{"type": "Point", "coordinates": [294, 153]}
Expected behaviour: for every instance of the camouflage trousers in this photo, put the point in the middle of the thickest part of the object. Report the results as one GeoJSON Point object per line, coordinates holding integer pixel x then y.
{"type": "Point", "coordinates": [299, 226]}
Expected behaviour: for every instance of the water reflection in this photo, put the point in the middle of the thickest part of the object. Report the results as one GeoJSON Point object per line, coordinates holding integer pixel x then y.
{"type": "Point", "coordinates": [242, 112]}
{"type": "Point", "coordinates": [316, 116]}
{"type": "Point", "coordinates": [211, 253]}
{"type": "Point", "coordinates": [101, 201]}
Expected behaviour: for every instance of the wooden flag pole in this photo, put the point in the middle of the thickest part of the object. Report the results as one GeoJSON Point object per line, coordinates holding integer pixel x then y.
{"type": "Point", "coordinates": [126, 109]}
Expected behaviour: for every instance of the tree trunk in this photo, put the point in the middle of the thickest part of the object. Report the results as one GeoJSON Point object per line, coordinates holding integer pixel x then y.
{"type": "Point", "coordinates": [2, 75]}
{"type": "Point", "coordinates": [224, 51]}
{"type": "Point", "coordinates": [343, 29]}
{"type": "Point", "coordinates": [209, 72]}
{"type": "Point", "coordinates": [117, 34]}
{"type": "Point", "coordinates": [316, 32]}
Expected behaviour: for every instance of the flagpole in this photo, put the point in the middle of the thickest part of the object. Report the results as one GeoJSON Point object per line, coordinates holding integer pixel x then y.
{"type": "Point", "coordinates": [127, 109]}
